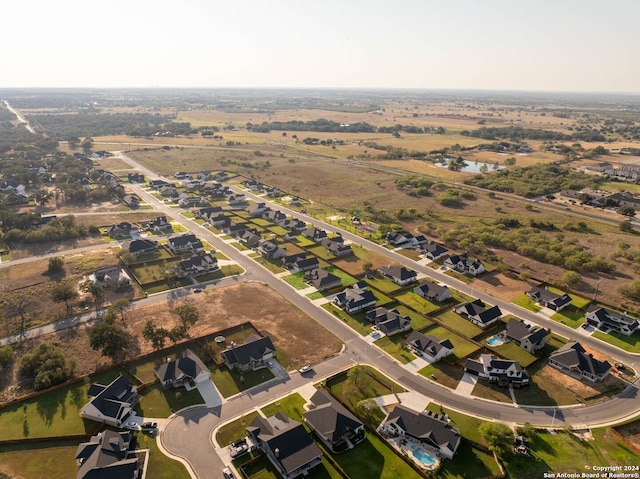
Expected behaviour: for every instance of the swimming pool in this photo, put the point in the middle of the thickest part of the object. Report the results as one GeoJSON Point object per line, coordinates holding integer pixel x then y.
{"type": "Point", "coordinates": [495, 341]}
{"type": "Point", "coordinates": [425, 458]}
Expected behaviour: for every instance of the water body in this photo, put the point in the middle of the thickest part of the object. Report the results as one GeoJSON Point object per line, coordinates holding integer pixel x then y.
{"type": "Point", "coordinates": [471, 166]}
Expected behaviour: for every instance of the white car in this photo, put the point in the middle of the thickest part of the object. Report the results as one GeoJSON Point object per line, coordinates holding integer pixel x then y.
{"type": "Point", "coordinates": [131, 425]}
{"type": "Point", "coordinates": [305, 369]}
{"type": "Point", "coordinates": [227, 473]}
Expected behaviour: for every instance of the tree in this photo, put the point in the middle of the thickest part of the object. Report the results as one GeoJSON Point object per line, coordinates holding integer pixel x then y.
{"type": "Point", "coordinates": [571, 278]}
{"type": "Point", "coordinates": [86, 145]}
{"type": "Point", "coordinates": [41, 197]}
{"type": "Point", "coordinates": [188, 315]}
{"type": "Point", "coordinates": [47, 365]}
{"type": "Point", "coordinates": [56, 264]}
{"type": "Point", "coordinates": [91, 287]}
{"type": "Point", "coordinates": [17, 304]}
{"type": "Point", "coordinates": [6, 355]}
{"type": "Point", "coordinates": [121, 305]}
{"type": "Point", "coordinates": [63, 292]}
{"type": "Point", "coordinates": [156, 336]}
{"type": "Point", "coordinates": [510, 161]}
{"type": "Point", "coordinates": [625, 226]}
{"type": "Point", "coordinates": [499, 436]}
{"type": "Point", "coordinates": [626, 211]}
{"type": "Point", "coordinates": [73, 142]}
{"type": "Point", "coordinates": [367, 267]}
{"type": "Point", "coordinates": [108, 337]}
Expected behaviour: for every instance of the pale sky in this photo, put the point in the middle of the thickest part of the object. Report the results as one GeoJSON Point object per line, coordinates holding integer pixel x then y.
{"type": "Point", "coordinates": [558, 45]}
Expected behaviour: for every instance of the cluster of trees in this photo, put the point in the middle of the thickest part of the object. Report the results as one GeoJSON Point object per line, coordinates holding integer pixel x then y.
{"type": "Point", "coordinates": [107, 336]}
{"type": "Point", "coordinates": [529, 242]}
{"type": "Point", "coordinates": [157, 335]}
{"type": "Point", "coordinates": [90, 124]}
{"type": "Point", "coordinates": [46, 366]}
{"type": "Point", "coordinates": [62, 228]}
{"type": "Point", "coordinates": [454, 197]}
{"type": "Point", "coordinates": [519, 133]}
{"type": "Point", "coordinates": [320, 124]}
{"type": "Point", "coordinates": [415, 185]}
{"type": "Point", "coordinates": [535, 180]}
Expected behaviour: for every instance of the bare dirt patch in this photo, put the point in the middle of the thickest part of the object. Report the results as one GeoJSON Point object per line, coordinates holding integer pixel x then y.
{"type": "Point", "coordinates": [298, 338]}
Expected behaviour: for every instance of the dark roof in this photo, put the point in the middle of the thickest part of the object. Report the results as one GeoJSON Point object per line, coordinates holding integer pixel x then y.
{"type": "Point", "coordinates": [184, 240]}
{"type": "Point", "coordinates": [430, 290]}
{"type": "Point", "coordinates": [295, 447]}
{"type": "Point", "coordinates": [426, 426]}
{"type": "Point", "coordinates": [574, 356]}
{"type": "Point", "coordinates": [607, 316]}
{"type": "Point", "coordinates": [329, 417]}
{"type": "Point", "coordinates": [353, 297]}
{"type": "Point", "coordinates": [398, 272]}
{"type": "Point", "coordinates": [478, 309]}
{"type": "Point", "coordinates": [253, 349]}
{"type": "Point", "coordinates": [322, 279]}
{"type": "Point", "coordinates": [519, 330]}
{"type": "Point", "coordinates": [436, 249]}
{"type": "Point", "coordinates": [111, 399]}
{"type": "Point", "coordinates": [428, 343]}
{"type": "Point", "coordinates": [188, 365]}
{"type": "Point", "coordinates": [135, 246]}
{"type": "Point", "coordinates": [543, 294]}
{"type": "Point", "coordinates": [104, 456]}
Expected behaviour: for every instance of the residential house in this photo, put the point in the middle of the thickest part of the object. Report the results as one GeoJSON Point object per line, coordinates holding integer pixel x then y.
{"type": "Point", "coordinates": [119, 230]}
{"type": "Point", "coordinates": [478, 313]}
{"type": "Point", "coordinates": [426, 427]}
{"type": "Point", "coordinates": [388, 321]}
{"type": "Point", "coordinates": [168, 191]}
{"type": "Point", "coordinates": [237, 199]}
{"type": "Point", "coordinates": [301, 262]}
{"type": "Point", "coordinates": [417, 241]}
{"type": "Point", "coordinates": [274, 216]}
{"type": "Point", "coordinates": [107, 456]}
{"type": "Point", "coordinates": [337, 247]}
{"type": "Point", "coordinates": [505, 372]}
{"type": "Point", "coordinates": [198, 265]}
{"type": "Point", "coordinates": [529, 338]}
{"type": "Point", "coordinates": [187, 201]}
{"type": "Point", "coordinates": [113, 277]}
{"type": "Point", "coordinates": [398, 274]}
{"type": "Point", "coordinates": [463, 264]}
{"type": "Point", "coordinates": [549, 299]}
{"type": "Point", "coordinates": [187, 371]}
{"type": "Point", "coordinates": [432, 291]}
{"type": "Point", "coordinates": [332, 423]}
{"type": "Point", "coordinates": [235, 229]}
{"type": "Point", "coordinates": [271, 192]}
{"type": "Point", "coordinates": [396, 239]}
{"type": "Point", "coordinates": [249, 237]}
{"type": "Point", "coordinates": [292, 224]}
{"type": "Point", "coordinates": [182, 175]}
{"type": "Point", "coordinates": [356, 298]}
{"type": "Point", "coordinates": [157, 184]}
{"type": "Point", "coordinates": [220, 221]}
{"type": "Point", "coordinates": [252, 355]}
{"type": "Point", "coordinates": [429, 347]}
{"type": "Point", "coordinates": [160, 224]}
{"type": "Point", "coordinates": [208, 213]}
{"type": "Point", "coordinates": [433, 250]}
{"type": "Point", "coordinates": [270, 249]}
{"type": "Point", "coordinates": [321, 279]}
{"type": "Point", "coordinates": [256, 209]}
{"type": "Point", "coordinates": [573, 359]}
{"type": "Point", "coordinates": [609, 320]}
{"type": "Point", "coordinates": [131, 201]}
{"type": "Point", "coordinates": [111, 404]}
{"type": "Point", "coordinates": [286, 444]}
{"type": "Point", "coordinates": [135, 177]}
{"type": "Point", "coordinates": [253, 185]}
{"type": "Point", "coordinates": [139, 247]}
{"type": "Point", "coordinates": [192, 184]}
{"type": "Point", "coordinates": [185, 243]}
{"type": "Point", "coordinates": [314, 234]}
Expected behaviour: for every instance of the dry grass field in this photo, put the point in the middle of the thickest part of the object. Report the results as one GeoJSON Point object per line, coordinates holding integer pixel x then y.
{"type": "Point", "coordinates": [298, 338]}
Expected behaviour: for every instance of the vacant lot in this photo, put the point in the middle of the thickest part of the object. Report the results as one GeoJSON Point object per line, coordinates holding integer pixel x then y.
{"type": "Point", "coordinates": [297, 337]}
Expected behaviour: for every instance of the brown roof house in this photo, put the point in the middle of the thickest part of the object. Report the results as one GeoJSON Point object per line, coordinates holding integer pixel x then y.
{"type": "Point", "coordinates": [573, 359]}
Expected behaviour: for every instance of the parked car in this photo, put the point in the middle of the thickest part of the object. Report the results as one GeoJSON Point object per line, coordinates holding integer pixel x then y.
{"type": "Point", "coordinates": [227, 473]}
{"type": "Point", "coordinates": [149, 425]}
{"type": "Point", "coordinates": [131, 425]}
{"type": "Point", "coordinates": [305, 369]}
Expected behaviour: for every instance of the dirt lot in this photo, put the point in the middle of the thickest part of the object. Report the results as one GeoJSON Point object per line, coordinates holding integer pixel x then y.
{"type": "Point", "coordinates": [297, 337]}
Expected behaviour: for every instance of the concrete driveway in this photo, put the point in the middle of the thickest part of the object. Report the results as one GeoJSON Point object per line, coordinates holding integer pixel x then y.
{"type": "Point", "coordinates": [210, 394]}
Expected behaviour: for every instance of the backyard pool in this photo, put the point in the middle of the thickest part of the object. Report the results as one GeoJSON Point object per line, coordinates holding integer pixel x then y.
{"type": "Point", "coordinates": [495, 340]}
{"type": "Point", "coordinates": [424, 457]}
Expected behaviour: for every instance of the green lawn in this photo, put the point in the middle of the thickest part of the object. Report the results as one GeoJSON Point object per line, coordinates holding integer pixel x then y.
{"type": "Point", "coordinates": [418, 322]}
{"type": "Point", "coordinates": [31, 460]}
{"type": "Point", "coordinates": [469, 462]}
{"type": "Point", "coordinates": [416, 302]}
{"type": "Point", "coordinates": [55, 413]}
{"type": "Point", "coordinates": [627, 343]}
{"type": "Point", "coordinates": [346, 279]}
{"type": "Point", "coordinates": [565, 452]}
{"type": "Point", "coordinates": [486, 390]}
{"type": "Point", "coordinates": [570, 317]}
{"type": "Point", "coordinates": [230, 382]}
{"type": "Point", "coordinates": [461, 347]}
{"type": "Point", "coordinates": [303, 242]}
{"type": "Point", "coordinates": [468, 425]}
{"type": "Point", "coordinates": [321, 252]}
{"type": "Point", "coordinates": [395, 346]}
{"type": "Point", "coordinates": [526, 302]}
{"type": "Point", "coordinates": [443, 373]}
{"type": "Point", "coordinates": [235, 429]}
{"type": "Point", "coordinates": [459, 324]}
{"type": "Point", "coordinates": [357, 321]}
{"type": "Point", "coordinates": [515, 353]}
{"type": "Point", "coordinates": [292, 406]}
{"type": "Point", "coordinates": [409, 253]}
{"type": "Point", "coordinates": [273, 265]}
{"type": "Point", "coordinates": [239, 246]}
{"type": "Point", "coordinates": [315, 295]}
{"type": "Point", "coordinates": [379, 282]}
{"type": "Point", "coordinates": [158, 402]}
{"type": "Point", "coordinates": [296, 280]}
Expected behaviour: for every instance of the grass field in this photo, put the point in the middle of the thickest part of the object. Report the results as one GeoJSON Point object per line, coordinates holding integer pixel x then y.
{"type": "Point", "coordinates": [396, 347]}
{"type": "Point", "coordinates": [459, 324]}
{"type": "Point", "coordinates": [416, 302]}
{"type": "Point", "coordinates": [627, 343]}
{"type": "Point", "coordinates": [235, 429]}
{"type": "Point", "coordinates": [570, 317]}
{"type": "Point", "coordinates": [159, 402]}
{"type": "Point", "coordinates": [292, 406]}
{"type": "Point", "coordinates": [515, 353]}
{"type": "Point", "coordinates": [526, 302]}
